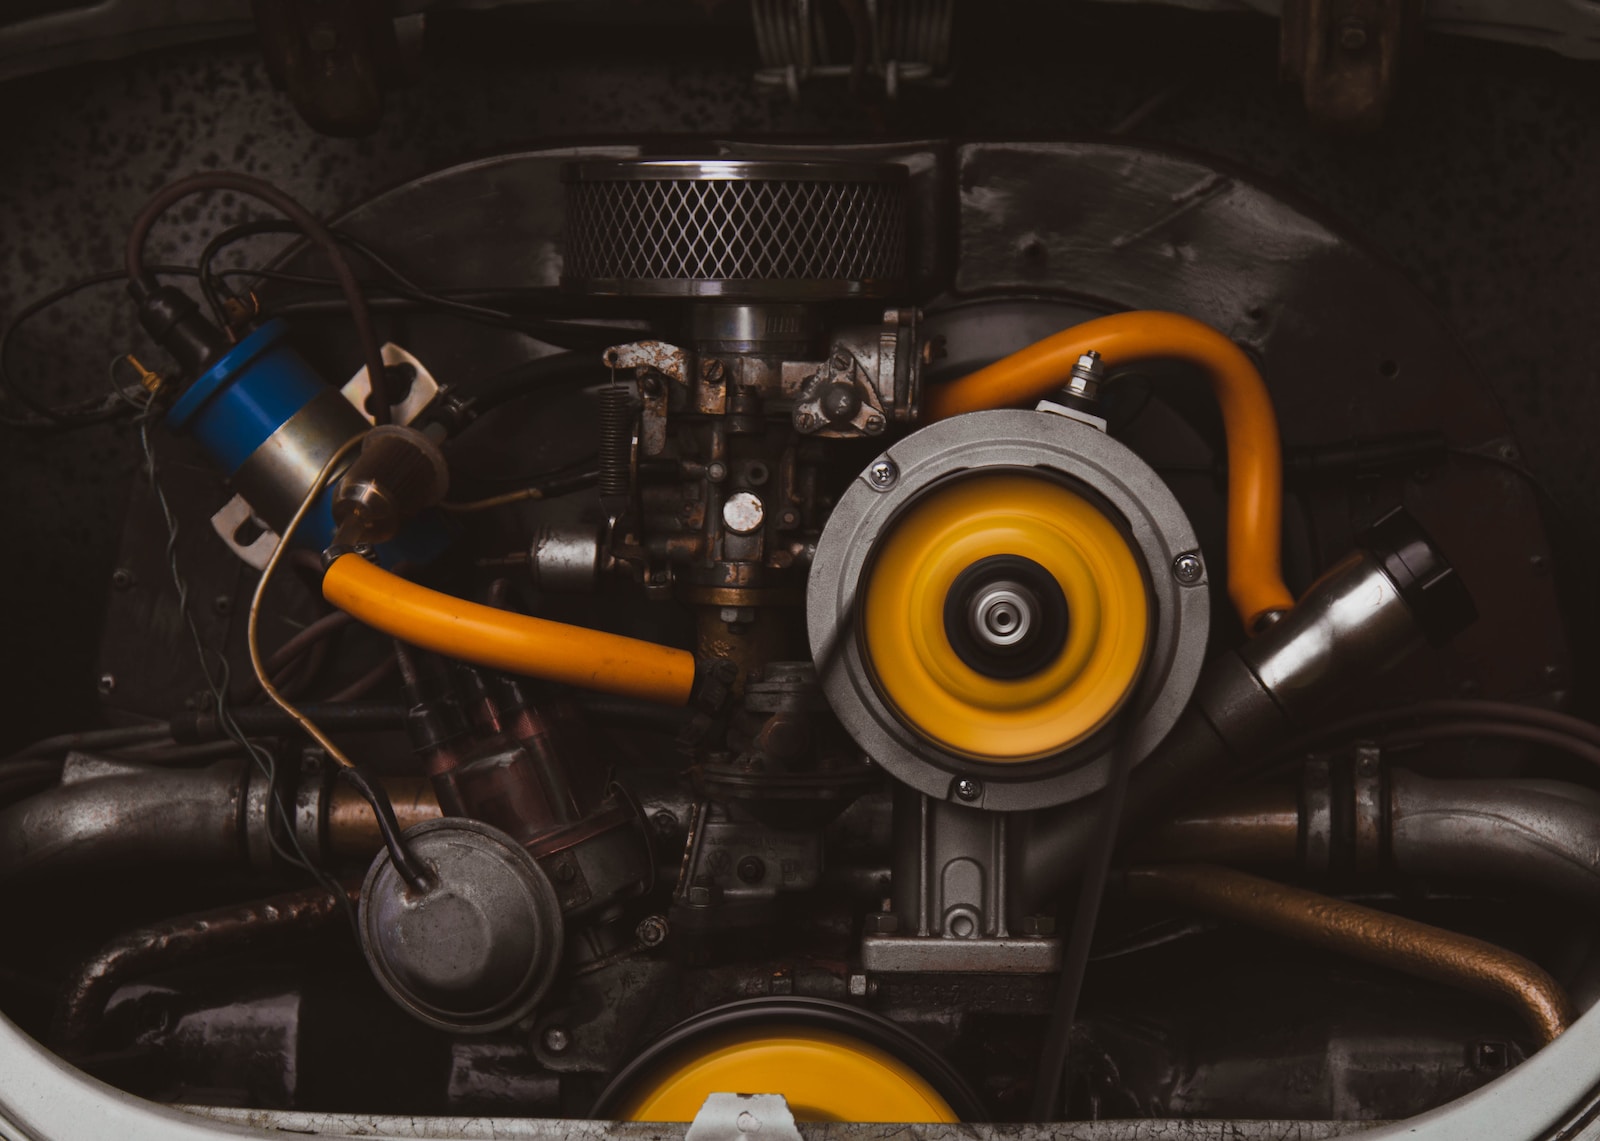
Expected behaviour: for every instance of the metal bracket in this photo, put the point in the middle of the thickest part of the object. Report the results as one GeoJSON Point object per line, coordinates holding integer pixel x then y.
{"type": "Point", "coordinates": [742, 1117]}
{"type": "Point", "coordinates": [235, 513]}
{"type": "Point", "coordinates": [1345, 54]}
{"type": "Point", "coordinates": [651, 361]}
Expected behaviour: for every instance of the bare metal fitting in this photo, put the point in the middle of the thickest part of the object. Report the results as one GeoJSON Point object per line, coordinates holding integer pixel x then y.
{"type": "Point", "coordinates": [568, 558]}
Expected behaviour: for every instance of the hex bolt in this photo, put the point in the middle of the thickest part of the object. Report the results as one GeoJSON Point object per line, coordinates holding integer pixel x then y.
{"type": "Point", "coordinates": [858, 986]}
{"type": "Point", "coordinates": [556, 1039]}
{"type": "Point", "coordinates": [752, 869]}
{"type": "Point", "coordinates": [1188, 569]}
{"type": "Point", "coordinates": [882, 474]}
{"type": "Point", "coordinates": [968, 789]}
{"type": "Point", "coordinates": [652, 930]}
{"type": "Point", "coordinates": [1087, 376]}
{"type": "Point", "coordinates": [882, 923]}
{"type": "Point", "coordinates": [107, 683]}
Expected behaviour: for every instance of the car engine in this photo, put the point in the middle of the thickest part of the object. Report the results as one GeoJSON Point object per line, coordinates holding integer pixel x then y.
{"type": "Point", "coordinates": [939, 629]}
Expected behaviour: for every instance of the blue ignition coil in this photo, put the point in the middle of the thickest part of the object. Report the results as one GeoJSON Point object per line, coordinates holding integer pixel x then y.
{"type": "Point", "coordinates": [270, 423]}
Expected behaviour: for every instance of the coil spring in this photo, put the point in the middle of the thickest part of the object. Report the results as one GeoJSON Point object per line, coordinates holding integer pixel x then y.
{"type": "Point", "coordinates": [616, 440]}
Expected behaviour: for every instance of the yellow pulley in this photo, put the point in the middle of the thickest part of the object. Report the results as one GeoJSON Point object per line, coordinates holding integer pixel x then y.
{"type": "Point", "coordinates": [823, 1075]}
{"type": "Point", "coordinates": [991, 565]}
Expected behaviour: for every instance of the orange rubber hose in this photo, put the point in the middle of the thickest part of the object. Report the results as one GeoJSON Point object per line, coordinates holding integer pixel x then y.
{"type": "Point", "coordinates": [1255, 462]}
{"type": "Point", "coordinates": [516, 643]}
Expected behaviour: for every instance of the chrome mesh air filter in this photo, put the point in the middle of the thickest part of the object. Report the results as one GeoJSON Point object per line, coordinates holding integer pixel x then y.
{"type": "Point", "coordinates": [736, 230]}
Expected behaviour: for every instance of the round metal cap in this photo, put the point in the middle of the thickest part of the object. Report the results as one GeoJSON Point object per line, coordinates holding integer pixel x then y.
{"type": "Point", "coordinates": [478, 949]}
{"type": "Point", "coordinates": [736, 230]}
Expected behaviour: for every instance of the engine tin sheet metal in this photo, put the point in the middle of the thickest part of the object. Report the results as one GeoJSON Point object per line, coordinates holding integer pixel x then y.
{"type": "Point", "coordinates": [1349, 350]}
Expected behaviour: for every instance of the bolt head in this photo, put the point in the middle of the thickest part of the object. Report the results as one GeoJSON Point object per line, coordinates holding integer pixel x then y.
{"type": "Point", "coordinates": [107, 683]}
{"type": "Point", "coordinates": [874, 425]}
{"type": "Point", "coordinates": [968, 789]}
{"type": "Point", "coordinates": [752, 869]}
{"type": "Point", "coordinates": [882, 923]}
{"type": "Point", "coordinates": [1188, 569]}
{"type": "Point", "coordinates": [858, 986]}
{"type": "Point", "coordinates": [883, 474]}
{"type": "Point", "coordinates": [652, 930]}
{"type": "Point", "coordinates": [556, 1039]}
{"type": "Point", "coordinates": [122, 578]}
{"type": "Point", "coordinates": [716, 471]}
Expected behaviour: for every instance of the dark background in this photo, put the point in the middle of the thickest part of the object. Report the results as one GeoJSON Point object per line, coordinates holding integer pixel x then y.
{"type": "Point", "coordinates": [1481, 187]}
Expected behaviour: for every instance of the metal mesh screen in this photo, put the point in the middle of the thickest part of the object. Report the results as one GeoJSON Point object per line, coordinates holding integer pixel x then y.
{"type": "Point", "coordinates": [843, 237]}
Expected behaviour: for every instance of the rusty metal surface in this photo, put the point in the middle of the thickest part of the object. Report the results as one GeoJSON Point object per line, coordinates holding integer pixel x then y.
{"type": "Point", "coordinates": [1347, 56]}
{"type": "Point", "coordinates": [175, 942]}
{"type": "Point", "coordinates": [1365, 933]}
{"type": "Point", "coordinates": [352, 829]}
{"type": "Point", "coordinates": [516, 1129]}
{"type": "Point", "coordinates": [1250, 824]}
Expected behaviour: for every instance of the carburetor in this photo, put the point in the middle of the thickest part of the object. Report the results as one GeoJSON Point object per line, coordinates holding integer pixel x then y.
{"type": "Point", "coordinates": [772, 266]}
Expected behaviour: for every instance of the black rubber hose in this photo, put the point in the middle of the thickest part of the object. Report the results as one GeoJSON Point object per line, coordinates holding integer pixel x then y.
{"type": "Point", "coordinates": [508, 384]}
{"type": "Point", "coordinates": [144, 282]}
{"type": "Point", "coordinates": [260, 720]}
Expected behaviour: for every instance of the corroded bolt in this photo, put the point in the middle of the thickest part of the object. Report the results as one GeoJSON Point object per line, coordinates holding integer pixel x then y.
{"type": "Point", "coordinates": [652, 930]}
{"type": "Point", "coordinates": [556, 1039]}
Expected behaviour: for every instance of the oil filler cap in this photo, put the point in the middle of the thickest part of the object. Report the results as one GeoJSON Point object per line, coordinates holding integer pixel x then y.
{"type": "Point", "coordinates": [478, 948]}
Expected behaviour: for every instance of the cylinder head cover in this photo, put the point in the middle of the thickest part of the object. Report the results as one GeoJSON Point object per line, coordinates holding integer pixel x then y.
{"type": "Point", "coordinates": [992, 609]}
{"type": "Point", "coordinates": [736, 230]}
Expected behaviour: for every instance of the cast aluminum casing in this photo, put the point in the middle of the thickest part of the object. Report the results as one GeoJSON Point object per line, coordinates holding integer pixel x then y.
{"type": "Point", "coordinates": [1158, 530]}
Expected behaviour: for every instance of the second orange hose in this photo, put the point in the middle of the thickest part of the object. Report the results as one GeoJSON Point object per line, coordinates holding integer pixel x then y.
{"type": "Point", "coordinates": [499, 639]}
{"type": "Point", "coordinates": [1255, 464]}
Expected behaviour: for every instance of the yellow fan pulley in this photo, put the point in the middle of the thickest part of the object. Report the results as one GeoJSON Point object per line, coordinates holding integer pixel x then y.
{"type": "Point", "coordinates": [919, 601]}
{"type": "Point", "coordinates": [823, 1076]}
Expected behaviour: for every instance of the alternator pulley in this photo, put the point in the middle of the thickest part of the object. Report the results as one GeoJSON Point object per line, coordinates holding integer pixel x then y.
{"type": "Point", "coordinates": [992, 609]}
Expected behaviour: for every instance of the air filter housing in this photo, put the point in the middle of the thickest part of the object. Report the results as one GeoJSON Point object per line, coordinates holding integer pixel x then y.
{"type": "Point", "coordinates": [736, 230]}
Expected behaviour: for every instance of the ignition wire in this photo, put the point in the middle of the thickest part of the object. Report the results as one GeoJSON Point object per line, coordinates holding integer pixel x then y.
{"type": "Point", "coordinates": [374, 796]}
